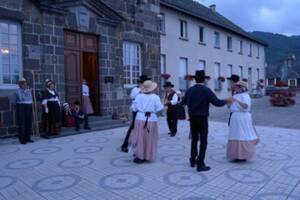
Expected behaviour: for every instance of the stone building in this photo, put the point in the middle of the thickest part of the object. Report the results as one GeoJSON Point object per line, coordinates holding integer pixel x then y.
{"type": "Point", "coordinates": [109, 43]}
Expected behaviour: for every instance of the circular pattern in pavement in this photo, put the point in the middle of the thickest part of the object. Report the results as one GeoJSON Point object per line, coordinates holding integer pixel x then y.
{"type": "Point", "coordinates": [24, 164]}
{"type": "Point", "coordinates": [271, 196]}
{"type": "Point", "coordinates": [121, 181]}
{"type": "Point", "coordinates": [289, 143]}
{"type": "Point", "coordinates": [247, 176]}
{"type": "Point", "coordinates": [7, 150]}
{"type": "Point", "coordinates": [197, 198]}
{"type": "Point", "coordinates": [56, 183]}
{"type": "Point", "coordinates": [7, 181]}
{"type": "Point", "coordinates": [61, 141]}
{"type": "Point", "coordinates": [88, 149]}
{"type": "Point", "coordinates": [293, 171]}
{"type": "Point", "coordinates": [273, 156]}
{"type": "Point", "coordinates": [96, 140]}
{"type": "Point", "coordinates": [46, 150]}
{"type": "Point", "coordinates": [219, 157]}
{"type": "Point", "coordinates": [171, 147]}
{"type": "Point", "coordinates": [76, 163]}
{"type": "Point", "coordinates": [125, 161]}
{"type": "Point", "coordinates": [184, 179]}
{"type": "Point", "coordinates": [175, 160]}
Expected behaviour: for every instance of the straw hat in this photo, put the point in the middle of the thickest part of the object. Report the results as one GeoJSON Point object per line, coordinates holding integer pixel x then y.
{"type": "Point", "coordinates": [148, 86]}
{"type": "Point", "coordinates": [242, 83]}
{"type": "Point", "coordinates": [22, 80]}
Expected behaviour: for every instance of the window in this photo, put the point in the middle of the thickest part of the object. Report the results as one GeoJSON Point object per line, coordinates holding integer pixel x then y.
{"type": "Point", "coordinates": [229, 73]}
{"type": "Point", "coordinates": [241, 72]}
{"type": "Point", "coordinates": [10, 53]}
{"type": "Point", "coordinates": [258, 52]}
{"type": "Point", "coordinates": [241, 47]}
{"type": "Point", "coordinates": [131, 62]}
{"type": "Point", "coordinates": [183, 69]}
{"type": "Point", "coordinates": [201, 65]}
{"type": "Point", "coordinates": [162, 23]}
{"type": "Point", "coordinates": [201, 34]}
{"type": "Point", "coordinates": [250, 79]}
{"type": "Point", "coordinates": [250, 49]}
{"type": "Point", "coordinates": [217, 39]}
{"type": "Point", "coordinates": [217, 74]}
{"type": "Point", "coordinates": [163, 69]}
{"type": "Point", "coordinates": [183, 29]}
{"type": "Point", "coordinates": [292, 82]}
{"type": "Point", "coordinates": [229, 43]}
{"type": "Point", "coordinates": [258, 75]}
{"type": "Point", "coordinates": [271, 81]}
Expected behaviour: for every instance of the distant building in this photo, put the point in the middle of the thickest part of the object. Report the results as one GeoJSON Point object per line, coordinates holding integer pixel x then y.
{"type": "Point", "coordinates": [194, 37]}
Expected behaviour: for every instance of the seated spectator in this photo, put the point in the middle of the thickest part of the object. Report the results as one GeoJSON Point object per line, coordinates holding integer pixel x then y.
{"type": "Point", "coordinates": [68, 116]}
{"type": "Point", "coordinates": [80, 116]}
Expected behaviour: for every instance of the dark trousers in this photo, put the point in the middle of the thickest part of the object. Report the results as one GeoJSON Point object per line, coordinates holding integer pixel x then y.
{"type": "Point", "coordinates": [78, 120]}
{"type": "Point", "coordinates": [125, 143]}
{"type": "Point", "coordinates": [172, 120]}
{"type": "Point", "coordinates": [24, 120]}
{"type": "Point", "coordinates": [199, 129]}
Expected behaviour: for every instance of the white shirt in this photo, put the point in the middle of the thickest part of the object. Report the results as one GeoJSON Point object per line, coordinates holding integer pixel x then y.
{"type": "Point", "coordinates": [147, 103]}
{"type": "Point", "coordinates": [244, 98]}
{"type": "Point", "coordinates": [85, 90]}
{"type": "Point", "coordinates": [134, 92]}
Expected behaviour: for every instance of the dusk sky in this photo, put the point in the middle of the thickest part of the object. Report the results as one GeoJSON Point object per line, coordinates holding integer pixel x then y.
{"type": "Point", "coordinates": [276, 16]}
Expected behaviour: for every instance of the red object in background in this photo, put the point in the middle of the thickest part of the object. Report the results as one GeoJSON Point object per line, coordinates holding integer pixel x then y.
{"type": "Point", "coordinates": [281, 84]}
{"type": "Point", "coordinates": [165, 76]}
{"type": "Point", "coordinates": [188, 77]}
{"type": "Point", "coordinates": [221, 78]}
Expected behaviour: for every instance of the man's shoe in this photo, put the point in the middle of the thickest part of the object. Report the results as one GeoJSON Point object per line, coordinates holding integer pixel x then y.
{"type": "Point", "coordinates": [172, 134]}
{"type": "Point", "coordinates": [124, 149]}
{"type": "Point", "coordinates": [138, 161]}
{"type": "Point", "coordinates": [202, 168]}
{"type": "Point", "coordinates": [192, 163]}
{"type": "Point", "coordinates": [30, 141]}
{"type": "Point", "coordinates": [22, 142]}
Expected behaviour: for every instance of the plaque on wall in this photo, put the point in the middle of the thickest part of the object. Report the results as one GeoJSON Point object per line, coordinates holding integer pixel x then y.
{"type": "Point", "coordinates": [83, 18]}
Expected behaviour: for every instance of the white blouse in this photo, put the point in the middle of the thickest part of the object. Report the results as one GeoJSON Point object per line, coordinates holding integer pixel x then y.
{"type": "Point", "coordinates": [147, 103]}
{"type": "Point", "coordinates": [85, 90]}
{"type": "Point", "coordinates": [244, 98]}
{"type": "Point", "coordinates": [134, 92]}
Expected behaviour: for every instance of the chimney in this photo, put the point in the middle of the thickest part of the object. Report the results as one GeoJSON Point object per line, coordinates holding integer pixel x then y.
{"type": "Point", "coordinates": [213, 7]}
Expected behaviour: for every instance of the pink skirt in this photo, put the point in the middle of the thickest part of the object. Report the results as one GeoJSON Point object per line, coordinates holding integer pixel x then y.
{"type": "Point", "coordinates": [243, 150]}
{"type": "Point", "coordinates": [87, 107]}
{"type": "Point", "coordinates": [144, 140]}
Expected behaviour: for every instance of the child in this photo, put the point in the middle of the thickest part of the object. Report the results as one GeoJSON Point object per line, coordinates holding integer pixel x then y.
{"type": "Point", "coordinates": [68, 116]}
{"type": "Point", "coordinates": [80, 116]}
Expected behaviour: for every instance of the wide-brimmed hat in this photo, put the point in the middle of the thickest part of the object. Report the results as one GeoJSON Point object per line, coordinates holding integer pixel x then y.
{"type": "Point", "coordinates": [234, 78]}
{"type": "Point", "coordinates": [168, 84]}
{"type": "Point", "coordinates": [143, 78]}
{"type": "Point", "coordinates": [148, 86]}
{"type": "Point", "coordinates": [22, 80]}
{"type": "Point", "coordinates": [200, 75]}
{"type": "Point", "coordinates": [242, 83]}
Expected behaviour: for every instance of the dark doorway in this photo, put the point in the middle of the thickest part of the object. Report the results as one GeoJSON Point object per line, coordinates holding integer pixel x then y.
{"type": "Point", "coordinates": [90, 71]}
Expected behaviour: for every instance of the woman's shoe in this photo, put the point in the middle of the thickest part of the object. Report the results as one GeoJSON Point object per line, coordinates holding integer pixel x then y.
{"type": "Point", "coordinates": [138, 161]}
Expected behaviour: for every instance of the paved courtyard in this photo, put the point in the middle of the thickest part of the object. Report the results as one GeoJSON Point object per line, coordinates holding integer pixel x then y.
{"type": "Point", "coordinates": [91, 167]}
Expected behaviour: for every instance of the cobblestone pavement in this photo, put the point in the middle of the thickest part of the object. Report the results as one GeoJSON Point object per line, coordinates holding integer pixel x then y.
{"type": "Point", "coordinates": [91, 167]}
{"type": "Point", "coordinates": [266, 115]}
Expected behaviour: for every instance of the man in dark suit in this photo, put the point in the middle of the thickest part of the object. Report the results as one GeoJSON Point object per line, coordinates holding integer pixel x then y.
{"type": "Point", "coordinates": [197, 99]}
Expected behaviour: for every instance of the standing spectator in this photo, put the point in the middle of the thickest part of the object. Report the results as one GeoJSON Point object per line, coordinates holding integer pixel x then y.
{"type": "Point", "coordinates": [87, 106]}
{"type": "Point", "coordinates": [24, 111]}
{"type": "Point", "coordinates": [144, 136]}
{"type": "Point", "coordinates": [171, 100]}
{"type": "Point", "coordinates": [51, 105]}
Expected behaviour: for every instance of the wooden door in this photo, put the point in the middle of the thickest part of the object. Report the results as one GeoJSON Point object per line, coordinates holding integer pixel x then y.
{"type": "Point", "coordinates": [91, 75]}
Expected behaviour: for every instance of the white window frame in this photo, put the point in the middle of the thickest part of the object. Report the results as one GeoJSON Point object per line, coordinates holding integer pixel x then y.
{"type": "Point", "coordinates": [5, 86]}
{"type": "Point", "coordinates": [162, 23]}
{"type": "Point", "coordinates": [131, 84]}
{"type": "Point", "coordinates": [241, 72]}
{"type": "Point", "coordinates": [184, 28]}
{"type": "Point", "coordinates": [292, 79]}
{"type": "Point", "coordinates": [217, 39]}
{"type": "Point", "coordinates": [163, 67]}
{"type": "Point", "coordinates": [229, 43]}
{"type": "Point", "coordinates": [203, 64]}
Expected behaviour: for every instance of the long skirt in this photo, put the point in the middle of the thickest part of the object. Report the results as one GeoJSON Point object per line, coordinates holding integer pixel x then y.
{"type": "Point", "coordinates": [242, 137]}
{"type": "Point", "coordinates": [144, 140]}
{"type": "Point", "coordinates": [87, 106]}
{"type": "Point", "coordinates": [54, 117]}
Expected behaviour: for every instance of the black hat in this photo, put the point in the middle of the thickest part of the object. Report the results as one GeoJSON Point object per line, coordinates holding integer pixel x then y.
{"type": "Point", "coordinates": [168, 84]}
{"type": "Point", "coordinates": [143, 78]}
{"type": "Point", "coordinates": [200, 75]}
{"type": "Point", "coordinates": [234, 78]}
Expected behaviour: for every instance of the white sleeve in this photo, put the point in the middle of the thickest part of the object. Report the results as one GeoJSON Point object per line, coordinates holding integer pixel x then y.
{"type": "Point", "coordinates": [134, 93]}
{"type": "Point", "coordinates": [158, 105]}
{"type": "Point", "coordinates": [134, 105]}
{"type": "Point", "coordinates": [174, 100]}
{"type": "Point", "coordinates": [45, 101]}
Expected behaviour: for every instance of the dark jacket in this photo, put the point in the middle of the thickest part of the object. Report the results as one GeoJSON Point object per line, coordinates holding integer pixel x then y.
{"type": "Point", "coordinates": [198, 98]}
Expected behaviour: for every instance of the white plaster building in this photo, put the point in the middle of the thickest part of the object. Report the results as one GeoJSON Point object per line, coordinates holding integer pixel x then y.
{"type": "Point", "coordinates": [195, 37]}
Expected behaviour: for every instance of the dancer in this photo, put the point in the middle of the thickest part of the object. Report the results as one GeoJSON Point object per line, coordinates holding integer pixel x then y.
{"type": "Point", "coordinates": [198, 98]}
{"type": "Point", "coordinates": [233, 80]}
{"type": "Point", "coordinates": [87, 106]}
{"type": "Point", "coordinates": [134, 92]}
{"type": "Point", "coordinates": [171, 100]}
{"type": "Point", "coordinates": [242, 134]}
{"type": "Point", "coordinates": [24, 111]}
{"type": "Point", "coordinates": [144, 136]}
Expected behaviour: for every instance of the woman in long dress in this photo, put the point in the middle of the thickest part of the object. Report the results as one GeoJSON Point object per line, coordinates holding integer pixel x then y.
{"type": "Point", "coordinates": [144, 136]}
{"type": "Point", "coordinates": [242, 134]}
{"type": "Point", "coordinates": [87, 107]}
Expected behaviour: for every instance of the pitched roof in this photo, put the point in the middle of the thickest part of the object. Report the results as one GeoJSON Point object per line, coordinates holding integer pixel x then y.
{"type": "Point", "coordinates": [201, 12]}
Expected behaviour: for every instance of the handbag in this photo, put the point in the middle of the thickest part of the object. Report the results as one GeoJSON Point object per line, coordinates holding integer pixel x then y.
{"type": "Point", "coordinates": [180, 112]}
